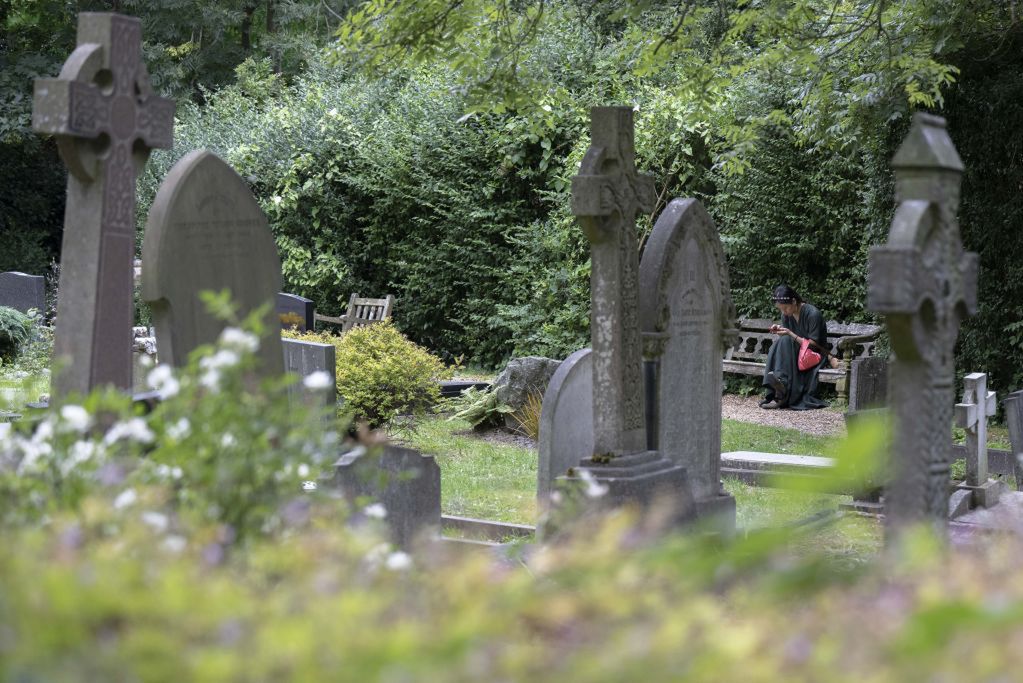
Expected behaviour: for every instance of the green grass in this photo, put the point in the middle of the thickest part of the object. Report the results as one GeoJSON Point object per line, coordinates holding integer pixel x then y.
{"type": "Point", "coordinates": [745, 436]}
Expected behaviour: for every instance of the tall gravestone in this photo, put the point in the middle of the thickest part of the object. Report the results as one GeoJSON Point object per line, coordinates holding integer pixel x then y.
{"type": "Point", "coordinates": [606, 196]}
{"type": "Point", "coordinates": [971, 414]}
{"type": "Point", "coordinates": [106, 120]}
{"type": "Point", "coordinates": [207, 233]}
{"type": "Point", "coordinates": [924, 284]}
{"type": "Point", "coordinates": [1013, 405]}
{"type": "Point", "coordinates": [23, 292]}
{"type": "Point", "coordinates": [687, 319]}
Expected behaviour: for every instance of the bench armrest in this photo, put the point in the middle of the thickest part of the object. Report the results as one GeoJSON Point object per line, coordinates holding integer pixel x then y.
{"type": "Point", "coordinates": [846, 342]}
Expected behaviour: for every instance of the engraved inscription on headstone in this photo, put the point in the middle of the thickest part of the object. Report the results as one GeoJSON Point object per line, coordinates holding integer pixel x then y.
{"type": "Point", "coordinates": [106, 119]}
{"type": "Point", "coordinates": [207, 233]}
{"type": "Point", "coordinates": [686, 306]}
{"type": "Point", "coordinates": [924, 284]}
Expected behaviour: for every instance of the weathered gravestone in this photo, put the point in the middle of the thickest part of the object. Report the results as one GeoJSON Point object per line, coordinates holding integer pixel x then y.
{"type": "Point", "coordinates": [404, 481]}
{"type": "Point", "coordinates": [566, 422]}
{"type": "Point", "coordinates": [23, 292]}
{"type": "Point", "coordinates": [868, 383]}
{"type": "Point", "coordinates": [305, 358]}
{"type": "Point", "coordinates": [295, 312]}
{"type": "Point", "coordinates": [106, 119]}
{"type": "Point", "coordinates": [1014, 419]}
{"type": "Point", "coordinates": [687, 320]}
{"type": "Point", "coordinates": [207, 233]}
{"type": "Point", "coordinates": [971, 414]}
{"type": "Point", "coordinates": [521, 379]}
{"type": "Point", "coordinates": [924, 284]}
{"type": "Point", "coordinates": [606, 196]}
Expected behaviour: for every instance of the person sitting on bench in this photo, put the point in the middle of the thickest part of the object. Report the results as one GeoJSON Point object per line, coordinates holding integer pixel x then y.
{"type": "Point", "coordinates": [802, 325]}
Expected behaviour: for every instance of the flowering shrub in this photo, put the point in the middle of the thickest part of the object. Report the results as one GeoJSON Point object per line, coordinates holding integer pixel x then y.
{"type": "Point", "coordinates": [381, 374]}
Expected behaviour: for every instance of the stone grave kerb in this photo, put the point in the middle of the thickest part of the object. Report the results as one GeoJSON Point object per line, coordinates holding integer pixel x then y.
{"type": "Point", "coordinates": [606, 196]}
{"type": "Point", "coordinates": [106, 119]}
{"type": "Point", "coordinates": [924, 284]}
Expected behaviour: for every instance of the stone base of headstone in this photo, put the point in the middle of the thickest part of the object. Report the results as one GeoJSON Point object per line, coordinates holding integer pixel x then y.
{"type": "Point", "coordinates": [717, 514]}
{"type": "Point", "coordinates": [403, 480]}
{"type": "Point", "coordinates": [642, 479]}
{"type": "Point", "coordinates": [959, 503]}
{"type": "Point", "coordinates": [985, 495]}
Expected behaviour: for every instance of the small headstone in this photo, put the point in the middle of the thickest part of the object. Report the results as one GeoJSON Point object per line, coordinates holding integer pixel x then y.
{"type": "Point", "coordinates": [924, 284]}
{"type": "Point", "coordinates": [106, 119]}
{"type": "Point", "coordinates": [404, 481]}
{"type": "Point", "coordinates": [23, 292]}
{"type": "Point", "coordinates": [1013, 405]}
{"type": "Point", "coordinates": [296, 312]}
{"type": "Point", "coordinates": [971, 414]}
{"type": "Point", "coordinates": [304, 358]}
{"type": "Point", "coordinates": [206, 232]}
{"type": "Point", "coordinates": [869, 383]}
{"type": "Point", "coordinates": [566, 422]}
{"type": "Point", "coordinates": [688, 320]}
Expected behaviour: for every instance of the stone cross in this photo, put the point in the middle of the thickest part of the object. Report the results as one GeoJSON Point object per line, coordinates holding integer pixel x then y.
{"type": "Point", "coordinates": [106, 119]}
{"type": "Point", "coordinates": [606, 196]}
{"type": "Point", "coordinates": [977, 406]}
{"type": "Point", "coordinates": [924, 284]}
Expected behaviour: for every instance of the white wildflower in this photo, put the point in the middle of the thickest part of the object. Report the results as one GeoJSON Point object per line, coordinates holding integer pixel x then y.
{"type": "Point", "coordinates": [179, 430]}
{"type": "Point", "coordinates": [161, 379]}
{"type": "Point", "coordinates": [398, 561]}
{"type": "Point", "coordinates": [228, 440]}
{"type": "Point", "coordinates": [31, 453]}
{"type": "Point", "coordinates": [376, 511]}
{"type": "Point", "coordinates": [125, 499]}
{"type": "Point", "coordinates": [155, 520]}
{"type": "Point", "coordinates": [168, 472]}
{"type": "Point", "coordinates": [81, 451]}
{"type": "Point", "coordinates": [333, 111]}
{"type": "Point", "coordinates": [308, 485]}
{"type": "Point", "coordinates": [238, 338]}
{"type": "Point", "coordinates": [317, 381]}
{"type": "Point", "coordinates": [210, 379]}
{"type": "Point", "coordinates": [134, 429]}
{"type": "Point", "coordinates": [174, 544]}
{"type": "Point", "coordinates": [76, 417]}
{"type": "Point", "coordinates": [593, 489]}
{"type": "Point", "coordinates": [43, 431]}
{"type": "Point", "coordinates": [303, 470]}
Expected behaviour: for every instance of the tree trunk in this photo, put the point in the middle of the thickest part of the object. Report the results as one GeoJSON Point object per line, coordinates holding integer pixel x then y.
{"type": "Point", "coordinates": [247, 28]}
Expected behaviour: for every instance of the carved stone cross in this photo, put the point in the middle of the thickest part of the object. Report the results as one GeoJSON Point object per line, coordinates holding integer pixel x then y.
{"type": "Point", "coordinates": [106, 120]}
{"type": "Point", "coordinates": [924, 284]}
{"type": "Point", "coordinates": [606, 196]}
{"type": "Point", "coordinates": [977, 406]}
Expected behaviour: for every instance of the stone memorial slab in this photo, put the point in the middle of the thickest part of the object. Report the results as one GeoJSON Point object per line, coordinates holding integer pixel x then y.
{"type": "Point", "coordinates": [404, 481]}
{"type": "Point", "coordinates": [23, 292]}
{"type": "Point", "coordinates": [606, 196]}
{"type": "Point", "coordinates": [304, 358]}
{"type": "Point", "coordinates": [688, 320]}
{"type": "Point", "coordinates": [106, 119]}
{"type": "Point", "coordinates": [206, 232]}
{"type": "Point", "coordinates": [566, 422]}
{"type": "Point", "coordinates": [924, 284]}
{"type": "Point", "coordinates": [296, 312]}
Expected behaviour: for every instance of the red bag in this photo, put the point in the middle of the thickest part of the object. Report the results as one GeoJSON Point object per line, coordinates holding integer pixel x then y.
{"type": "Point", "coordinates": [808, 358]}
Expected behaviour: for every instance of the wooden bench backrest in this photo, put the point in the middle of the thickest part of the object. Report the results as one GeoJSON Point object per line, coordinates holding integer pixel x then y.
{"type": "Point", "coordinates": [755, 339]}
{"type": "Point", "coordinates": [362, 311]}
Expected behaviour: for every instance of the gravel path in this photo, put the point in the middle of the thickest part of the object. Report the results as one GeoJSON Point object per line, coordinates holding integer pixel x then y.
{"type": "Point", "coordinates": [823, 422]}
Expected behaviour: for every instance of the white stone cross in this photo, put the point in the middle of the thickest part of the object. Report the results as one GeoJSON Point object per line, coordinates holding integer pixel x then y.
{"type": "Point", "coordinates": [106, 120]}
{"type": "Point", "coordinates": [977, 406]}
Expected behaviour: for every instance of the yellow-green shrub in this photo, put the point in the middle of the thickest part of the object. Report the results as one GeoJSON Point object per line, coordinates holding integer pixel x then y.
{"type": "Point", "coordinates": [381, 373]}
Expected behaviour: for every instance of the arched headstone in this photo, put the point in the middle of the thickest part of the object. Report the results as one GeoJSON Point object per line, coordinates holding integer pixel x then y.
{"type": "Point", "coordinates": [206, 232]}
{"type": "Point", "coordinates": [566, 421]}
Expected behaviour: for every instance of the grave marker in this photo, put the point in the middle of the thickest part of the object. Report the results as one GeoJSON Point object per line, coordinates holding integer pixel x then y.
{"type": "Point", "coordinates": [206, 232]}
{"type": "Point", "coordinates": [296, 311]}
{"type": "Point", "coordinates": [566, 422]}
{"type": "Point", "coordinates": [977, 406]}
{"type": "Point", "coordinates": [924, 284]}
{"type": "Point", "coordinates": [1013, 405]}
{"type": "Point", "coordinates": [23, 292]}
{"type": "Point", "coordinates": [688, 320]}
{"type": "Point", "coordinates": [106, 120]}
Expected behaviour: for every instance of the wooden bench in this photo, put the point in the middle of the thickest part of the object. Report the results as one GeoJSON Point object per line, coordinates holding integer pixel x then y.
{"type": "Point", "coordinates": [847, 341]}
{"type": "Point", "coordinates": [361, 312]}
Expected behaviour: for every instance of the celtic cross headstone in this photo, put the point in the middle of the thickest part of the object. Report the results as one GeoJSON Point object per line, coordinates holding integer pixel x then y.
{"type": "Point", "coordinates": [924, 284]}
{"type": "Point", "coordinates": [606, 196]}
{"type": "Point", "coordinates": [106, 119]}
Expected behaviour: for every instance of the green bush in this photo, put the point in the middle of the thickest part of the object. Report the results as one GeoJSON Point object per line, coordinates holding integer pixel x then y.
{"type": "Point", "coordinates": [15, 332]}
{"type": "Point", "coordinates": [381, 374]}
